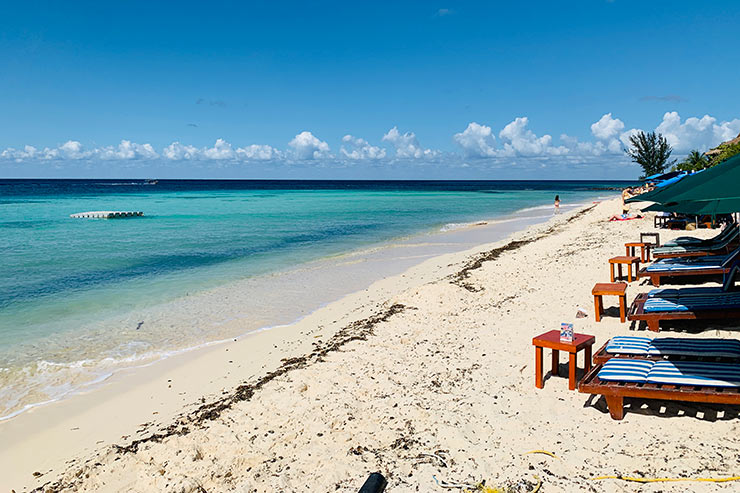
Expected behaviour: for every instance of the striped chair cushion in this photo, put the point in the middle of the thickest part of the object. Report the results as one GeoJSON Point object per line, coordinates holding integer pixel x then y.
{"type": "Point", "coordinates": [675, 346]}
{"type": "Point", "coordinates": [625, 370]}
{"type": "Point", "coordinates": [729, 238]}
{"type": "Point", "coordinates": [628, 345]}
{"type": "Point", "coordinates": [695, 373]}
{"type": "Point", "coordinates": [673, 293]}
{"type": "Point", "coordinates": [686, 264]}
{"type": "Point", "coordinates": [693, 302]}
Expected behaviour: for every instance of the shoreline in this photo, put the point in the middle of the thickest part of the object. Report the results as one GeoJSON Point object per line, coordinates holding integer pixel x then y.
{"type": "Point", "coordinates": [426, 377]}
{"type": "Point", "coordinates": [424, 244]}
{"type": "Point", "coordinates": [138, 380]}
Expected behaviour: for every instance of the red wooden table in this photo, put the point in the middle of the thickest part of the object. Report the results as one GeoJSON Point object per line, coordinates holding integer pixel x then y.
{"type": "Point", "coordinates": [627, 260]}
{"type": "Point", "coordinates": [551, 340]}
{"type": "Point", "coordinates": [610, 289]}
{"type": "Point", "coordinates": [630, 249]}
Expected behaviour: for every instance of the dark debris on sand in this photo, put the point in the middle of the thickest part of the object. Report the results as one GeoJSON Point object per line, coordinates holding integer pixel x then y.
{"type": "Point", "coordinates": [460, 278]}
{"type": "Point", "coordinates": [358, 330]}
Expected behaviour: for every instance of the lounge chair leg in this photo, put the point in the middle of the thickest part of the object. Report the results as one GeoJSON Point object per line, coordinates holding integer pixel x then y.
{"type": "Point", "coordinates": [615, 403]}
{"type": "Point", "coordinates": [653, 325]}
{"type": "Point", "coordinates": [655, 281]}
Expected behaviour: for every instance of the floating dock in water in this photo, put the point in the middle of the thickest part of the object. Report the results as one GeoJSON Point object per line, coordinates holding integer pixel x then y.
{"type": "Point", "coordinates": [106, 214]}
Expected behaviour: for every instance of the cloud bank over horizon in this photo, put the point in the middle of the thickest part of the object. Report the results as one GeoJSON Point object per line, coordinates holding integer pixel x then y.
{"type": "Point", "coordinates": [478, 144]}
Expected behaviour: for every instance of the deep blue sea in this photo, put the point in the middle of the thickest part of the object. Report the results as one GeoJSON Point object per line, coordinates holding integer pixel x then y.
{"type": "Point", "coordinates": [72, 290]}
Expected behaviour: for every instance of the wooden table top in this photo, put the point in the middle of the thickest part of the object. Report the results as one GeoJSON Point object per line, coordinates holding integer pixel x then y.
{"type": "Point", "coordinates": [552, 340]}
{"type": "Point", "coordinates": [637, 244]}
{"type": "Point", "coordinates": [613, 288]}
{"type": "Point", "coordinates": [624, 259]}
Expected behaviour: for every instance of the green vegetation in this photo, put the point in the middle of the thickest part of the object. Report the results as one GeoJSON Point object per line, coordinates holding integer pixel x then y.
{"type": "Point", "coordinates": [695, 161]}
{"type": "Point", "coordinates": [651, 151]}
{"type": "Point", "coordinates": [727, 151]}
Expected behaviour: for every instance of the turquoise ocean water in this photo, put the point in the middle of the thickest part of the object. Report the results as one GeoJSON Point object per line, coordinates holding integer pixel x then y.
{"type": "Point", "coordinates": [80, 298]}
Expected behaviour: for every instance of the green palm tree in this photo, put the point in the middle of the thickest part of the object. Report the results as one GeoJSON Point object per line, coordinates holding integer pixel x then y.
{"type": "Point", "coordinates": [695, 161]}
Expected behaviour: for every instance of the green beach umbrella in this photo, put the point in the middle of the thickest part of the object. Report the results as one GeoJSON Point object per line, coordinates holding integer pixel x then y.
{"type": "Point", "coordinates": [712, 191]}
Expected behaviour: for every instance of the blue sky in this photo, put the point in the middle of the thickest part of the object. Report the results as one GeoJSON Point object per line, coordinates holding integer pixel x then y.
{"type": "Point", "coordinates": [360, 90]}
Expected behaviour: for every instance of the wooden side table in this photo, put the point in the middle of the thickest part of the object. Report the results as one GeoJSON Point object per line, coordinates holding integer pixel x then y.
{"type": "Point", "coordinates": [610, 289]}
{"type": "Point", "coordinates": [630, 250]}
{"type": "Point", "coordinates": [552, 340]}
{"type": "Point", "coordinates": [624, 260]}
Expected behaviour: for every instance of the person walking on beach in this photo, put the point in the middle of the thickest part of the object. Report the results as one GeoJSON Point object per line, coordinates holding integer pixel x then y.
{"type": "Point", "coordinates": [557, 204]}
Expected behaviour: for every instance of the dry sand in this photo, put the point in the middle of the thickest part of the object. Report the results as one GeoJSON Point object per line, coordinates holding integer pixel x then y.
{"type": "Point", "coordinates": [425, 375]}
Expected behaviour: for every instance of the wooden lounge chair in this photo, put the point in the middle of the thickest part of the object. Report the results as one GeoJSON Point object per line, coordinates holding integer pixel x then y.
{"type": "Point", "coordinates": [729, 242]}
{"type": "Point", "coordinates": [639, 384]}
{"type": "Point", "coordinates": [672, 348]}
{"type": "Point", "coordinates": [710, 305]}
{"type": "Point", "coordinates": [712, 265]}
{"type": "Point", "coordinates": [694, 241]}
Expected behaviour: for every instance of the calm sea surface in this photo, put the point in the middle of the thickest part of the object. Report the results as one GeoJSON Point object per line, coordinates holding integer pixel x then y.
{"type": "Point", "coordinates": [73, 291]}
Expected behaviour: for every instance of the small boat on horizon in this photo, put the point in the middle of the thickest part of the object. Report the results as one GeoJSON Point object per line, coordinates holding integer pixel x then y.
{"type": "Point", "coordinates": [151, 182]}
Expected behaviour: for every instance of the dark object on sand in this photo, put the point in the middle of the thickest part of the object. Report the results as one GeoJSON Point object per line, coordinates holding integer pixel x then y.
{"type": "Point", "coordinates": [376, 483]}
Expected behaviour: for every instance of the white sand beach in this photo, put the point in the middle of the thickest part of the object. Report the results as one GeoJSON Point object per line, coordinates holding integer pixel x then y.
{"type": "Point", "coordinates": [426, 377]}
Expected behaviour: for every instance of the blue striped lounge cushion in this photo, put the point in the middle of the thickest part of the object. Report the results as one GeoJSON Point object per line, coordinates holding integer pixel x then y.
{"type": "Point", "coordinates": [625, 370]}
{"type": "Point", "coordinates": [672, 293]}
{"type": "Point", "coordinates": [628, 345]}
{"type": "Point", "coordinates": [695, 373]}
{"type": "Point", "coordinates": [675, 346]}
{"type": "Point", "coordinates": [674, 264]}
{"type": "Point", "coordinates": [693, 302]}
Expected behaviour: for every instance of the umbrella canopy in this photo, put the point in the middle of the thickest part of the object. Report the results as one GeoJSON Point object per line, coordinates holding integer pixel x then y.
{"type": "Point", "coordinates": [699, 207]}
{"type": "Point", "coordinates": [672, 180]}
{"type": "Point", "coordinates": [662, 176]}
{"type": "Point", "coordinates": [716, 188]}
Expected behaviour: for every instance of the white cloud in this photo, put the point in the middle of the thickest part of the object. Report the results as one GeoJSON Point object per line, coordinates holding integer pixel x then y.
{"type": "Point", "coordinates": [407, 145]}
{"type": "Point", "coordinates": [258, 152]}
{"type": "Point", "coordinates": [519, 140]}
{"type": "Point", "coordinates": [178, 152]}
{"type": "Point", "coordinates": [358, 148]}
{"type": "Point", "coordinates": [221, 150]}
{"type": "Point", "coordinates": [696, 133]}
{"type": "Point", "coordinates": [476, 141]}
{"type": "Point", "coordinates": [607, 128]}
{"type": "Point", "coordinates": [126, 150]}
{"type": "Point", "coordinates": [72, 149]}
{"type": "Point", "coordinates": [307, 146]}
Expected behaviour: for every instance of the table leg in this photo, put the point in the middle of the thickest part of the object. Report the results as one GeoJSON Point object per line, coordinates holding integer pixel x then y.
{"type": "Point", "coordinates": [626, 250]}
{"type": "Point", "coordinates": [555, 362]}
{"type": "Point", "coordinates": [611, 271]}
{"type": "Point", "coordinates": [571, 371]}
{"type": "Point", "coordinates": [587, 364]}
{"type": "Point", "coordinates": [619, 271]}
{"type": "Point", "coordinates": [538, 367]}
{"type": "Point", "coordinates": [629, 273]}
{"type": "Point", "coordinates": [647, 253]}
{"type": "Point", "coordinates": [622, 307]}
{"type": "Point", "coordinates": [598, 306]}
